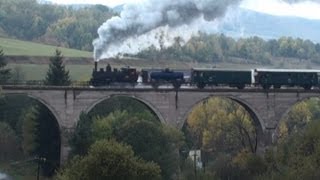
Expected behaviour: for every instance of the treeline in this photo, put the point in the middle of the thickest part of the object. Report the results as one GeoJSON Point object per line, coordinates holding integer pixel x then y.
{"type": "Point", "coordinates": [77, 27]}
{"type": "Point", "coordinates": [220, 48]}
{"type": "Point", "coordinates": [51, 24]}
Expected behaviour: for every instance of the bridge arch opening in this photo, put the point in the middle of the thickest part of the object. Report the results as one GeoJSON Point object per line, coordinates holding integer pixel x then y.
{"type": "Point", "coordinates": [297, 117]}
{"type": "Point", "coordinates": [132, 104]}
{"type": "Point", "coordinates": [214, 119]}
{"type": "Point", "coordinates": [37, 128]}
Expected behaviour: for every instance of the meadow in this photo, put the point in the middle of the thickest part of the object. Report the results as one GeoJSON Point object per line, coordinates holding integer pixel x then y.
{"type": "Point", "coordinates": [34, 59]}
{"type": "Point", "coordinates": [13, 47]}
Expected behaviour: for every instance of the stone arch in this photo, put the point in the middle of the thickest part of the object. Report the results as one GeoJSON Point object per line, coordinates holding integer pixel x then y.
{"type": "Point", "coordinates": [289, 108]}
{"type": "Point", "coordinates": [262, 140]}
{"type": "Point", "coordinates": [252, 112]}
{"type": "Point", "coordinates": [143, 101]}
{"type": "Point", "coordinates": [51, 109]}
{"type": "Point", "coordinates": [55, 115]}
{"type": "Point", "coordinates": [286, 112]}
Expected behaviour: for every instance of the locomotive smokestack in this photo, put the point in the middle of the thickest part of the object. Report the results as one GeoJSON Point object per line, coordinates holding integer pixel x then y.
{"type": "Point", "coordinates": [96, 66]}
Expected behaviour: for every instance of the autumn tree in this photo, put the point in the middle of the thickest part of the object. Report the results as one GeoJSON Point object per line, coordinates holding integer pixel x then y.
{"type": "Point", "coordinates": [57, 75]}
{"type": "Point", "coordinates": [221, 125]}
{"type": "Point", "coordinates": [108, 159]}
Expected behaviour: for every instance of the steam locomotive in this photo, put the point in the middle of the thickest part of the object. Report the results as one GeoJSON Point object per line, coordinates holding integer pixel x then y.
{"type": "Point", "coordinates": [265, 78]}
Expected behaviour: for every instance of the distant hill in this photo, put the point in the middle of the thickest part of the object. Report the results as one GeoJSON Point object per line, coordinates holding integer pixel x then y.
{"type": "Point", "coordinates": [118, 8]}
{"type": "Point", "coordinates": [247, 23]}
{"type": "Point", "coordinates": [12, 47]}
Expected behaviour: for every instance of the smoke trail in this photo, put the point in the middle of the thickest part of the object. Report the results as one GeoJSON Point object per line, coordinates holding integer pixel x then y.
{"type": "Point", "coordinates": [158, 23]}
{"type": "Point", "coordinates": [143, 25]}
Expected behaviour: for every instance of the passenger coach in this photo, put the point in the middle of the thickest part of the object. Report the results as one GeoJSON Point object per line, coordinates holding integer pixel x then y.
{"type": "Point", "coordinates": [277, 78]}
{"type": "Point", "coordinates": [221, 77]}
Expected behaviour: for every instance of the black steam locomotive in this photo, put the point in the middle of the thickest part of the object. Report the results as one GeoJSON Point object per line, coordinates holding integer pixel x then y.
{"type": "Point", "coordinates": [108, 76]}
{"type": "Point", "coordinates": [265, 78]}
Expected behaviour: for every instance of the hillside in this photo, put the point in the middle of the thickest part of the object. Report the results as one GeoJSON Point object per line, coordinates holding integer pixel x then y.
{"type": "Point", "coordinates": [246, 23]}
{"type": "Point", "coordinates": [13, 47]}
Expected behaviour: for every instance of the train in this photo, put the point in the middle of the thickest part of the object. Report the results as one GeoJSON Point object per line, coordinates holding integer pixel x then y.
{"type": "Point", "coordinates": [204, 77]}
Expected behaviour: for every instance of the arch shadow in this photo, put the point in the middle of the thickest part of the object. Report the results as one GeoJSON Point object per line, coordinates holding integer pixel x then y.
{"type": "Point", "coordinates": [149, 105]}
{"type": "Point", "coordinates": [53, 114]}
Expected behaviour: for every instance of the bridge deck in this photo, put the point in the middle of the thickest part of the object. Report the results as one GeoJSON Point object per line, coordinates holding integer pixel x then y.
{"type": "Point", "coordinates": [160, 89]}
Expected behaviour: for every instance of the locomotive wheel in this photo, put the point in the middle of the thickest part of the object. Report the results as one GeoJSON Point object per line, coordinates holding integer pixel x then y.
{"type": "Point", "coordinates": [176, 85]}
{"type": "Point", "coordinates": [155, 85]}
{"type": "Point", "coordinates": [240, 86]}
{"type": "Point", "coordinates": [277, 86]}
{"type": "Point", "coordinates": [266, 86]}
{"type": "Point", "coordinates": [201, 85]}
{"type": "Point", "coordinates": [307, 86]}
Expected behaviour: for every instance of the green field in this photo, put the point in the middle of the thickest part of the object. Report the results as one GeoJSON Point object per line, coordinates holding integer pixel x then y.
{"type": "Point", "coordinates": [38, 71]}
{"type": "Point", "coordinates": [12, 47]}
{"type": "Point", "coordinates": [31, 69]}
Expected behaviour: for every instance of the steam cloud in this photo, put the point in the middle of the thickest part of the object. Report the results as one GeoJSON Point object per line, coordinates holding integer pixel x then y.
{"type": "Point", "coordinates": [157, 23]}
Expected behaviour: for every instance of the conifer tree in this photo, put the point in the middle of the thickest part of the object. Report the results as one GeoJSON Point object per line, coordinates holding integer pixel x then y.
{"type": "Point", "coordinates": [4, 72]}
{"type": "Point", "coordinates": [57, 75]}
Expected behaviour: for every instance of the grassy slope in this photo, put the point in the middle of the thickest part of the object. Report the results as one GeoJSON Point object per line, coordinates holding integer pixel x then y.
{"type": "Point", "coordinates": [12, 47]}
{"type": "Point", "coordinates": [81, 72]}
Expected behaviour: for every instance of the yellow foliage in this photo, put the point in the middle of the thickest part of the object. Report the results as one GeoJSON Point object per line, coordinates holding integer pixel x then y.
{"type": "Point", "coordinates": [219, 123]}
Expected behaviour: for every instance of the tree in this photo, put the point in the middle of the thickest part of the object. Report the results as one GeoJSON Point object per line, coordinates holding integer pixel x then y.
{"type": "Point", "coordinates": [221, 125]}
{"type": "Point", "coordinates": [148, 138]}
{"type": "Point", "coordinates": [9, 145]}
{"type": "Point", "coordinates": [108, 159]}
{"type": "Point", "coordinates": [41, 137]}
{"type": "Point", "coordinates": [153, 142]}
{"type": "Point", "coordinates": [82, 139]}
{"type": "Point", "coordinates": [4, 72]}
{"type": "Point", "coordinates": [18, 75]}
{"type": "Point", "coordinates": [57, 75]}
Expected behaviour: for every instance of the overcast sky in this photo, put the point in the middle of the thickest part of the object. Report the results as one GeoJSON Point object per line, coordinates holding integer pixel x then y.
{"type": "Point", "coordinates": [306, 9]}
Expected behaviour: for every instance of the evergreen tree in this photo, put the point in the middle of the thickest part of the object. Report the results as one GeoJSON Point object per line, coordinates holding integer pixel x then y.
{"type": "Point", "coordinates": [57, 75]}
{"type": "Point", "coordinates": [4, 73]}
{"type": "Point", "coordinates": [40, 133]}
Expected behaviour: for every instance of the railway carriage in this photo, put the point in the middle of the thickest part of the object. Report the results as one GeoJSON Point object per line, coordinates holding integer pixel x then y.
{"type": "Point", "coordinates": [286, 77]}
{"type": "Point", "coordinates": [217, 77]}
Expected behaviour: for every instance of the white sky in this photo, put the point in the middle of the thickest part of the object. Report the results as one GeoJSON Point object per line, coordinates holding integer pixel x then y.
{"type": "Point", "coordinates": [306, 9]}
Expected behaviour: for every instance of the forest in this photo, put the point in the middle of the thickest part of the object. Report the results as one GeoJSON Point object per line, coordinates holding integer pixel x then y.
{"type": "Point", "coordinates": [67, 26]}
{"type": "Point", "coordinates": [122, 138]}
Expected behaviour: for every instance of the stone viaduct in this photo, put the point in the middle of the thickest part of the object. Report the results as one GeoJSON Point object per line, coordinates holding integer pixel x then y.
{"type": "Point", "coordinates": [173, 108]}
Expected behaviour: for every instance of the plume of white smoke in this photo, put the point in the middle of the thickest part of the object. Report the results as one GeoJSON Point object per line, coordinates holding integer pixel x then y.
{"type": "Point", "coordinates": [141, 25]}
{"type": "Point", "coordinates": [158, 23]}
